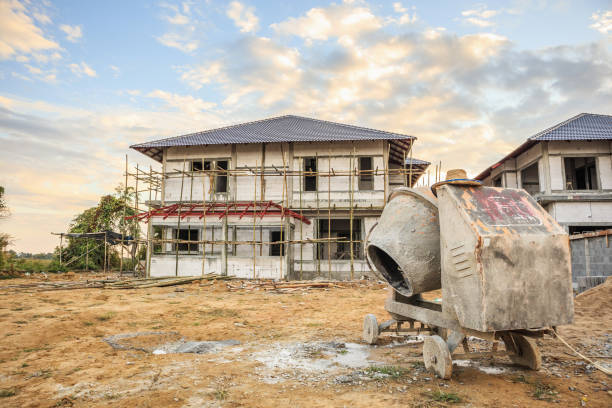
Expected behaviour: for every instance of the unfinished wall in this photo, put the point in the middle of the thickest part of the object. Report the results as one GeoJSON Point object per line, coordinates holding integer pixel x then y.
{"type": "Point", "coordinates": [591, 258]}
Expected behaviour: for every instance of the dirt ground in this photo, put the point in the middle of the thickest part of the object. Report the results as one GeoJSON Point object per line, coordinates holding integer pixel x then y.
{"type": "Point", "coordinates": [298, 349]}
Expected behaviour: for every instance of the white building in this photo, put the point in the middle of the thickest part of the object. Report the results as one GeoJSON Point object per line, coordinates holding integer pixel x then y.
{"type": "Point", "coordinates": [262, 193]}
{"type": "Point", "coordinates": [568, 170]}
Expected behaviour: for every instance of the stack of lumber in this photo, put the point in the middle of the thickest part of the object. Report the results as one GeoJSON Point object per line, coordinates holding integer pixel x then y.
{"type": "Point", "coordinates": [112, 283]}
{"type": "Point", "coordinates": [161, 282]}
{"type": "Point", "coordinates": [291, 286]}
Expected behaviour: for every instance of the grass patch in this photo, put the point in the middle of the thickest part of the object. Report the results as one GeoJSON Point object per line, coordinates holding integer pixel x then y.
{"type": "Point", "coordinates": [33, 349]}
{"type": "Point", "coordinates": [220, 394]}
{"type": "Point", "coordinates": [441, 396]}
{"type": "Point", "coordinates": [20, 322]}
{"type": "Point", "coordinates": [520, 379]}
{"type": "Point", "coordinates": [544, 392]}
{"type": "Point", "coordinates": [88, 323]}
{"type": "Point", "coordinates": [7, 392]}
{"type": "Point", "coordinates": [391, 371]}
{"type": "Point", "coordinates": [105, 317]}
{"type": "Point", "coordinates": [219, 312]}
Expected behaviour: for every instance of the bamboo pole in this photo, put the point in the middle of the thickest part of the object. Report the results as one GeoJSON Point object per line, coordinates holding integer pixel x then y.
{"type": "Point", "coordinates": [203, 218]}
{"type": "Point", "coordinates": [282, 217]}
{"type": "Point", "coordinates": [149, 227]}
{"type": "Point", "coordinates": [316, 227]}
{"type": "Point", "coordinates": [352, 181]}
{"type": "Point", "coordinates": [178, 226]}
{"type": "Point", "coordinates": [410, 173]}
{"type": "Point", "coordinates": [254, 224]}
{"type": "Point", "coordinates": [329, 214]}
{"type": "Point", "coordinates": [301, 227]}
{"type": "Point", "coordinates": [123, 217]}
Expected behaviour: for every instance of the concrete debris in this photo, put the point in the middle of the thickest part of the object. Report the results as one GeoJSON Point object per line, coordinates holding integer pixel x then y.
{"type": "Point", "coordinates": [165, 343]}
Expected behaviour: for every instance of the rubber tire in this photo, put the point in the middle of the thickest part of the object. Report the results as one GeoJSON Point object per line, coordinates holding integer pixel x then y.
{"type": "Point", "coordinates": [437, 358]}
{"type": "Point", "coordinates": [370, 329]}
{"type": "Point", "coordinates": [528, 355]}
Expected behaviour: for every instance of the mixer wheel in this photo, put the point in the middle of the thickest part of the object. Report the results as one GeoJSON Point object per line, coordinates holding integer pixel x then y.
{"type": "Point", "coordinates": [437, 357]}
{"type": "Point", "coordinates": [370, 329]}
{"type": "Point", "coordinates": [525, 350]}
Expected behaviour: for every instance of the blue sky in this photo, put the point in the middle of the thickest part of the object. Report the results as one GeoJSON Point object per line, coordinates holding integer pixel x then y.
{"type": "Point", "coordinates": [81, 81]}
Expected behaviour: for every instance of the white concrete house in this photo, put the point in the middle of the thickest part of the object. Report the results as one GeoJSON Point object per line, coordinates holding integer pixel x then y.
{"type": "Point", "coordinates": [262, 193]}
{"type": "Point", "coordinates": [567, 168]}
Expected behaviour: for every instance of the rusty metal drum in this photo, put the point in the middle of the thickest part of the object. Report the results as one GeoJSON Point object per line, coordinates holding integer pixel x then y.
{"type": "Point", "coordinates": [405, 245]}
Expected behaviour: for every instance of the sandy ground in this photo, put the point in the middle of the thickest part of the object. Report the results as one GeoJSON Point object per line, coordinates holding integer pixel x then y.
{"type": "Point", "coordinates": [299, 349]}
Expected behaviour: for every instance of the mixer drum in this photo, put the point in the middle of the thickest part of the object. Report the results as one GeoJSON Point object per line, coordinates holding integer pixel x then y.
{"type": "Point", "coordinates": [405, 245]}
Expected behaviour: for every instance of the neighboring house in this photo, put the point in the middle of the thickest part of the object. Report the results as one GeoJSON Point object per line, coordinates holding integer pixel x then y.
{"type": "Point", "coordinates": [568, 170]}
{"type": "Point", "coordinates": [283, 198]}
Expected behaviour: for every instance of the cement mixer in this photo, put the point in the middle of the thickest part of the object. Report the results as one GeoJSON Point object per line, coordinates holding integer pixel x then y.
{"type": "Point", "coordinates": [501, 260]}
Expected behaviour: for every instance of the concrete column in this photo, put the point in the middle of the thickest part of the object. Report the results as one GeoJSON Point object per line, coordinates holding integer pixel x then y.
{"type": "Point", "coordinates": [224, 247]}
{"type": "Point", "coordinates": [546, 167]}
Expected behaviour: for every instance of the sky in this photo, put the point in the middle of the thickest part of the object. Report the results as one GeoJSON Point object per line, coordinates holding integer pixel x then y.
{"type": "Point", "coordinates": [81, 81]}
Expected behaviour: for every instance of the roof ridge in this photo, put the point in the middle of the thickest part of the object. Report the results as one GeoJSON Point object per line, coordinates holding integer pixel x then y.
{"type": "Point", "coordinates": [352, 126]}
{"type": "Point", "coordinates": [271, 119]}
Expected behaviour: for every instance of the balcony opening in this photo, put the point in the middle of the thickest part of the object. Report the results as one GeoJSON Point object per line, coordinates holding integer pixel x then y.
{"type": "Point", "coordinates": [580, 173]}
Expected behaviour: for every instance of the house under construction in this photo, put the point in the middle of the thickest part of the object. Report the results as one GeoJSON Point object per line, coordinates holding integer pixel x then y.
{"type": "Point", "coordinates": [282, 198]}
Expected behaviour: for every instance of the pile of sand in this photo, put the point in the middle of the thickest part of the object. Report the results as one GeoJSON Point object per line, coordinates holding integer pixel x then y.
{"type": "Point", "coordinates": [597, 299]}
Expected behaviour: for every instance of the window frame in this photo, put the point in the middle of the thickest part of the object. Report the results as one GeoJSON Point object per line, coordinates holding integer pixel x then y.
{"type": "Point", "coordinates": [306, 178]}
{"type": "Point", "coordinates": [362, 179]}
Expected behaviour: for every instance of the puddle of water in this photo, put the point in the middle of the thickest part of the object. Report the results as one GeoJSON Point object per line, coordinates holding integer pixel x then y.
{"type": "Point", "coordinates": [475, 364]}
{"type": "Point", "coordinates": [287, 360]}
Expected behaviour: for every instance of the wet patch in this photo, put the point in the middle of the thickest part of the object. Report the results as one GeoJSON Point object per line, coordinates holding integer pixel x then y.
{"type": "Point", "coordinates": [164, 343]}
{"type": "Point", "coordinates": [309, 361]}
{"type": "Point", "coordinates": [484, 369]}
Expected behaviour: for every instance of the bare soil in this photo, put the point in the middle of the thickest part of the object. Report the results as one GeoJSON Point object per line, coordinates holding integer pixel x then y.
{"type": "Point", "coordinates": [297, 349]}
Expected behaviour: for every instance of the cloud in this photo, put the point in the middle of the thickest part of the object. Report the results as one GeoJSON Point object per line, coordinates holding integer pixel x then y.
{"type": "Point", "coordinates": [185, 103]}
{"type": "Point", "coordinates": [480, 16]}
{"type": "Point", "coordinates": [602, 21]}
{"type": "Point", "coordinates": [244, 17]}
{"type": "Point", "coordinates": [179, 41]}
{"type": "Point", "coordinates": [116, 70]}
{"type": "Point", "coordinates": [18, 33]}
{"type": "Point", "coordinates": [200, 75]}
{"type": "Point", "coordinates": [253, 68]}
{"type": "Point", "coordinates": [343, 20]}
{"type": "Point", "coordinates": [183, 33]}
{"type": "Point", "coordinates": [73, 33]}
{"type": "Point", "coordinates": [82, 69]}
{"type": "Point", "coordinates": [406, 17]}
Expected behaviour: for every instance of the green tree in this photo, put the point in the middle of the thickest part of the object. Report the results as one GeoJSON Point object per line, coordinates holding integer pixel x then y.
{"type": "Point", "coordinates": [108, 215]}
{"type": "Point", "coordinates": [5, 239]}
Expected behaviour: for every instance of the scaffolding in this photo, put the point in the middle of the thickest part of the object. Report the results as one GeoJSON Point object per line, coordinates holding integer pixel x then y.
{"type": "Point", "coordinates": [151, 204]}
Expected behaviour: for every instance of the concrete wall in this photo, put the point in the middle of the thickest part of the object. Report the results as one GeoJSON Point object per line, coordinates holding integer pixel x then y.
{"type": "Point", "coordinates": [591, 256]}
{"type": "Point", "coordinates": [300, 258]}
{"type": "Point", "coordinates": [332, 157]}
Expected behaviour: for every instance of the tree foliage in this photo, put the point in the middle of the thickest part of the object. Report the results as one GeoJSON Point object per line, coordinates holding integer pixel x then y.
{"type": "Point", "coordinates": [106, 216]}
{"type": "Point", "coordinates": [4, 212]}
{"type": "Point", "coordinates": [5, 239]}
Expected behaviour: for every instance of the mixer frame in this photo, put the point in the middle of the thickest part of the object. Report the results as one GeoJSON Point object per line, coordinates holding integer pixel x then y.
{"type": "Point", "coordinates": [415, 315]}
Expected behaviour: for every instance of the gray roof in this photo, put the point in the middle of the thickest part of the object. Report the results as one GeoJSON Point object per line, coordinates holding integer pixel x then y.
{"type": "Point", "coordinates": [416, 162]}
{"type": "Point", "coordinates": [585, 126]}
{"type": "Point", "coordinates": [288, 128]}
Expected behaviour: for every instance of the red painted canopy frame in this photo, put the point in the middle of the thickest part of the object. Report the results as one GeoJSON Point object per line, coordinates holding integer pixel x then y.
{"type": "Point", "coordinates": [245, 208]}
